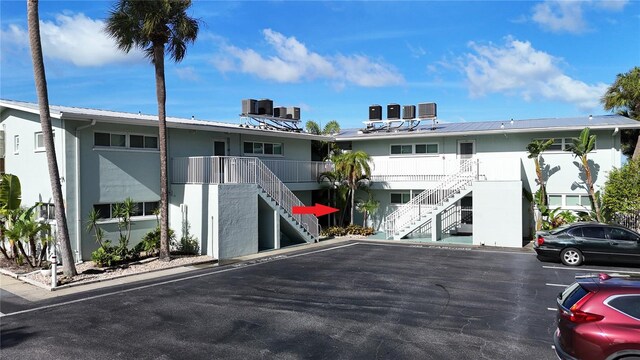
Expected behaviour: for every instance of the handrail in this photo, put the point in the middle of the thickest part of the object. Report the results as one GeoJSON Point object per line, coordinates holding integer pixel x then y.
{"type": "Point", "coordinates": [241, 170]}
{"type": "Point", "coordinates": [428, 200]}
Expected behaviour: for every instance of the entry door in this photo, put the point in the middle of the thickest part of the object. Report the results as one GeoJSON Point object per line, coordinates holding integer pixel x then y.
{"type": "Point", "coordinates": [466, 149]}
{"type": "Point", "coordinates": [219, 149]}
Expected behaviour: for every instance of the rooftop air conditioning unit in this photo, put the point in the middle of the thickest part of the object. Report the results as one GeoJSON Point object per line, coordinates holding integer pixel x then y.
{"type": "Point", "coordinates": [293, 113]}
{"type": "Point", "coordinates": [375, 112]}
{"type": "Point", "coordinates": [265, 107]}
{"type": "Point", "coordinates": [427, 111]}
{"type": "Point", "coordinates": [280, 112]}
{"type": "Point", "coordinates": [249, 106]}
{"type": "Point", "coordinates": [408, 112]}
{"type": "Point", "coordinates": [393, 111]}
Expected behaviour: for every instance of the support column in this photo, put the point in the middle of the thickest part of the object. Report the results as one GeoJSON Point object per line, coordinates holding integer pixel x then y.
{"type": "Point", "coordinates": [276, 229]}
{"type": "Point", "coordinates": [436, 227]}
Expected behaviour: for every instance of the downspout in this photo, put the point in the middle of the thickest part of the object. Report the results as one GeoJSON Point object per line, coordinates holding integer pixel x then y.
{"type": "Point", "coordinates": [616, 158]}
{"type": "Point", "coordinates": [78, 203]}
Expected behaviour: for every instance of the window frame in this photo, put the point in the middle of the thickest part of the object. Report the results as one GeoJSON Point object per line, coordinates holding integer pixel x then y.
{"type": "Point", "coordinates": [127, 141]}
{"type": "Point", "coordinates": [402, 197]}
{"type": "Point", "coordinates": [16, 144]}
{"type": "Point", "coordinates": [414, 147]}
{"type": "Point", "coordinates": [141, 205]}
{"type": "Point", "coordinates": [40, 134]}
{"type": "Point", "coordinates": [144, 141]}
{"type": "Point", "coordinates": [564, 144]}
{"type": "Point", "coordinates": [611, 298]}
{"type": "Point", "coordinates": [263, 146]}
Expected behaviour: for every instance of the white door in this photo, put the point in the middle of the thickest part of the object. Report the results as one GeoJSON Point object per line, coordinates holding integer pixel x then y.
{"type": "Point", "coordinates": [466, 149]}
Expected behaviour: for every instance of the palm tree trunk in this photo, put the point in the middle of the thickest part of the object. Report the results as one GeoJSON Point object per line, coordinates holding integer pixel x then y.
{"type": "Point", "coordinates": [353, 200]}
{"type": "Point", "coordinates": [543, 189]}
{"type": "Point", "coordinates": [40, 78]}
{"type": "Point", "coordinates": [161, 93]}
{"type": "Point", "coordinates": [636, 151]}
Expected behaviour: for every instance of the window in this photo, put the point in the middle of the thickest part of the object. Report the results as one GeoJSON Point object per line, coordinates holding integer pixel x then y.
{"type": "Point", "coordinates": [106, 211]}
{"type": "Point", "coordinates": [595, 232]}
{"type": "Point", "coordinates": [555, 200]}
{"type": "Point", "coordinates": [47, 211]}
{"type": "Point", "coordinates": [414, 149]}
{"type": "Point", "coordinates": [259, 148]}
{"type": "Point", "coordinates": [572, 295]}
{"type": "Point", "coordinates": [120, 141]}
{"type": "Point", "coordinates": [576, 201]}
{"type": "Point", "coordinates": [400, 198]}
{"type": "Point", "coordinates": [143, 142]}
{"type": "Point", "coordinates": [560, 144]}
{"type": "Point", "coordinates": [621, 234]}
{"type": "Point", "coordinates": [626, 304]}
{"type": "Point", "coordinates": [38, 141]}
{"type": "Point", "coordinates": [16, 144]}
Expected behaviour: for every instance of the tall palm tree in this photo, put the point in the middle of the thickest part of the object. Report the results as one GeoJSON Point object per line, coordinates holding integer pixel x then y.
{"type": "Point", "coordinates": [580, 147]}
{"type": "Point", "coordinates": [157, 27]}
{"type": "Point", "coordinates": [535, 149]}
{"type": "Point", "coordinates": [62, 231]}
{"type": "Point", "coordinates": [623, 96]}
{"type": "Point", "coordinates": [355, 168]}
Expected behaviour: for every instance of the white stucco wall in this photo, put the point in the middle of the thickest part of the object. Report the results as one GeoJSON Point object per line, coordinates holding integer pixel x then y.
{"type": "Point", "coordinates": [497, 213]}
{"type": "Point", "coordinates": [236, 221]}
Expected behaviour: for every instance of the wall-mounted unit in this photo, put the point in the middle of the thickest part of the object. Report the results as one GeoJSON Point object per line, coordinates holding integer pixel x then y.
{"type": "Point", "coordinates": [265, 107]}
{"type": "Point", "coordinates": [375, 112]}
{"type": "Point", "coordinates": [393, 111]}
{"type": "Point", "coordinates": [408, 112]}
{"type": "Point", "coordinates": [249, 106]}
{"type": "Point", "coordinates": [280, 112]}
{"type": "Point", "coordinates": [427, 111]}
{"type": "Point", "coordinates": [293, 113]}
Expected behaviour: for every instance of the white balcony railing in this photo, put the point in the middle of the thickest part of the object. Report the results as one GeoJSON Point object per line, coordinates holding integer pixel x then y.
{"type": "Point", "coordinates": [289, 171]}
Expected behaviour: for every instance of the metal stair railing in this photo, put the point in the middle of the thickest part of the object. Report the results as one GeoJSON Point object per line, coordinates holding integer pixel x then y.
{"type": "Point", "coordinates": [242, 170]}
{"type": "Point", "coordinates": [424, 203]}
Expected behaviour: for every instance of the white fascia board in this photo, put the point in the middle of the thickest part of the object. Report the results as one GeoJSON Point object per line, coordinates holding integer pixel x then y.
{"type": "Point", "coordinates": [203, 127]}
{"type": "Point", "coordinates": [53, 114]}
{"type": "Point", "coordinates": [422, 134]}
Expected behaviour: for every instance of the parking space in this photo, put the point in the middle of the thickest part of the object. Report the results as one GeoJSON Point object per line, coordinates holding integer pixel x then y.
{"type": "Point", "coordinates": [357, 300]}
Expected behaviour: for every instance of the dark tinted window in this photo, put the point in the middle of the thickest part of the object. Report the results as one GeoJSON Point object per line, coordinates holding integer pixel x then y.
{"type": "Point", "coordinates": [150, 142]}
{"type": "Point", "coordinates": [572, 295]}
{"type": "Point", "coordinates": [629, 305]}
{"type": "Point", "coordinates": [621, 234]}
{"type": "Point", "coordinates": [150, 207]}
{"type": "Point", "coordinates": [103, 210]}
{"type": "Point", "coordinates": [136, 141]}
{"type": "Point", "coordinates": [248, 147]}
{"type": "Point", "coordinates": [593, 232]}
{"type": "Point", "coordinates": [575, 232]}
{"type": "Point", "coordinates": [101, 139]}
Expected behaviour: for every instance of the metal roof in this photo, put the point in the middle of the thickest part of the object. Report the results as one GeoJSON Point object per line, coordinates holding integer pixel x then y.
{"type": "Point", "coordinates": [427, 128]}
{"type": "Point", "coordinates": [86, 114]}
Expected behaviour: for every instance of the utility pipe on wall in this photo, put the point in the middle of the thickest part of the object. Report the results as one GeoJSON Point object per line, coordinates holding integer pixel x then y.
{"type": "Point", "coordinates": [78, 203]}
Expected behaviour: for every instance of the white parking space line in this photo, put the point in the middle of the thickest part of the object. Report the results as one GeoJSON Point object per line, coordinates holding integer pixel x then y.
{"type": "Point", "coordinates": [589, 269]}
{"type": "Point", "coordinates": [552, 309]}
{"type": "Point", "coordinates": [558, 285]}
{"type": "Point", "coordinates": [168, 282]}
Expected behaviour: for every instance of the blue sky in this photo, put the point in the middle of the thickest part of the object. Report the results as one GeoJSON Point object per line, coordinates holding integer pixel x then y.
{"type": "Point", "coordinates": [477, 60]}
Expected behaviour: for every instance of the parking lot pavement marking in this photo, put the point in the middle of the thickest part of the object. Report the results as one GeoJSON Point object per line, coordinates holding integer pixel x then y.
{"type": "Point", "coordinates": [558, 285]}
{"type": "Point", "coordinates": [588, 269]}
{"type": "Point", "coordinates": [218, 271]}
{"type": "Point", "coordinates": [552, 309]}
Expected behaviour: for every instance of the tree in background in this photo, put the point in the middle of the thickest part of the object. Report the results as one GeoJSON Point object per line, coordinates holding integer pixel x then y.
{"type": "Point", "coordinates": [62, 232]}
{"type": "Point", "coordinates": [581, 147]}
{"type": "Point", "coordinates": [368, 208]}
{"type": "Point", "coordinates": [354, 166]}
{"type": "Point", "coordinates": [156, 27]}
{"type": "Point", "coordinates": [323, 149]}
{"type": "Point", "coordinates": [622, 190]}
{"type": "Point", "coordinates": [623, 96]}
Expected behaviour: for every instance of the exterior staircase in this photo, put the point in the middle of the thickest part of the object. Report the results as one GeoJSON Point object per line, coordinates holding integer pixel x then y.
{"type": "Point", "coordinates": [425, 207]}
{"type": "Point", "coordinates": [247, 170]}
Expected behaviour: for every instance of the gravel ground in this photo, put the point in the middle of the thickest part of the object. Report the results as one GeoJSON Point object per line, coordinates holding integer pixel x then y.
{"type": "Point", "coordinates": [88, 272]}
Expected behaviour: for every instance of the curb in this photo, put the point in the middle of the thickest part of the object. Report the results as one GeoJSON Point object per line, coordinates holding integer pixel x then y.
{"type": "Point", "coordinates": [22, 277]}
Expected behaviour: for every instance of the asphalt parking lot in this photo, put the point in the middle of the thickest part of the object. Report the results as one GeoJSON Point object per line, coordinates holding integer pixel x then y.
{"type": "Point", "coordinates": [350, 301]}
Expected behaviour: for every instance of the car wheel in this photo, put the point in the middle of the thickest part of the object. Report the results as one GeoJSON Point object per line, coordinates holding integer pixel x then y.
{"type": "Point", "coordinates": [571, 257]}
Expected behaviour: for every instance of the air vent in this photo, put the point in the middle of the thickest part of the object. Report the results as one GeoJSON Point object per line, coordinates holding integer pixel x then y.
{"type": "Point", "coordinates": [249, 106]}
{"type": "Point", "coordinates": [265, 107]}
{"type": "Point", "coordinates": [280, 112]}
{"type": "Point", "coordinates": [293, 113]}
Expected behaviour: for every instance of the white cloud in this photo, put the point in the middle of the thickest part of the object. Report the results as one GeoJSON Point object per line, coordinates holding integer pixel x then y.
{"type": "Point", "coordinates": [568, 15]}
{"type": "Point", "coordinates": [73, 38]}
{"type": "Point", "coordinates": [293, 62]}
{"type": "Point", "coordinates": [518, 69]}
{"type": "Point", "coordinates": [187, 73]}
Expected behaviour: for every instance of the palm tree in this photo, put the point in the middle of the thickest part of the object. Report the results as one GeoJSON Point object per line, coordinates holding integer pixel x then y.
{"type": "Point", "coordinates": [580, 147]}
{"type": "Point", "coordinates": [323, 149]}
{"type": "Point", "coordinates": [368, 208]}
{"type": "Point", "coordinates": [10, 200]}
{"type": "Point", "coordinates": [354, 166]}
{"type": "Point", "coordinates": [33, 21]}
{"type": "Point", "coordinates": [535, 148]}
{"type": "Point", "coordinates": [623, 96]}
{"type": "Point", "coordinates": [156, 27]}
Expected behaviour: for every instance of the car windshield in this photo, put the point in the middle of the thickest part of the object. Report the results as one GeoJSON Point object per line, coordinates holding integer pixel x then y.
{"type": "Point", "coordinates": [559, 229]}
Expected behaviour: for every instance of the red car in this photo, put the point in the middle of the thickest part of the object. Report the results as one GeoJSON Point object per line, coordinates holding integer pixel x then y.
{"type": "Point", "coordinates": [599, 318]}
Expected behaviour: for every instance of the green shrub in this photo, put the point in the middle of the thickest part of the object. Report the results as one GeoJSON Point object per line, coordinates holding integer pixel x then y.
{"type": "Point", "coordinates": [349, 230]}
{"type": "Point", "coordinates": [105, 256]}
{"type": "Point", "coordinates": [188, 244]}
